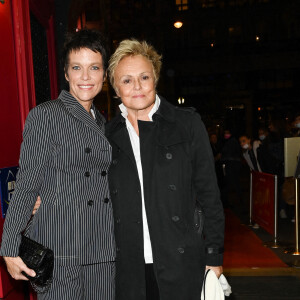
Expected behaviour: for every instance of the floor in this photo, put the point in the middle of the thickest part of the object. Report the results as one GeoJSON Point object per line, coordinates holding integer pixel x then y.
{"type": "Point", "coordinates": [266, 283]}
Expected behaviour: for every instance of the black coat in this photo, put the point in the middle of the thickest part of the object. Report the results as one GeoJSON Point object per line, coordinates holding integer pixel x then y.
{"type": "Point", "coordinates": [178, 172]}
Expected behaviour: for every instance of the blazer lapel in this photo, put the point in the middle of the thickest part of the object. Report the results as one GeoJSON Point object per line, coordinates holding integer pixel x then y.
{"type": "Point", "coordinates": [77, 110]}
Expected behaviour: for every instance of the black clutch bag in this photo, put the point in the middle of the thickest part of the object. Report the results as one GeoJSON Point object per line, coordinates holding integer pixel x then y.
{"type": "Point", "coordinates": [41, 260]}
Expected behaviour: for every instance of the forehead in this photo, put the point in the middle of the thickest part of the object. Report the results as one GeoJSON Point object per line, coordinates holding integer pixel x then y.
{"type": "Point", "coordinates": [133, 64]}
{"type": "Point", "coordinates": [243, 138]}
{"type": "Point", "coordinates": [84, 55]}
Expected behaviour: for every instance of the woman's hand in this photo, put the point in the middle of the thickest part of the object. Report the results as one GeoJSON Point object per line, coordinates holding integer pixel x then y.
{"type": "Point", "coordinates": [218, 270]}
{"type": "Point", "coordinates": [37, 205]}
{"type": "Point", "coordinates": [15, 267]}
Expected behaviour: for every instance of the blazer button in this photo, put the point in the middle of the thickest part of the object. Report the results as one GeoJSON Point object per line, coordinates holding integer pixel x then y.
{"type": "Point", "coordinates": [115, 161]}
{"type": "Point", "coordinates": [175, 218]}
{"type": "Point", "coordinates": [106, 200]}
{"type": "Point", "coordinates": [103, 173]}
{"type": "Point", "coordinates": [87, 150]}
{"type": "Point", "coordinates": [169, 156]}
{"type": "Point", "coordinates": [180, 250]}
{"type": "Point", "coordinates": [115, 192]}
{"type": "Point", "coordinates": [172, 187]}
{"type": "Point", "coordinates": [90, 202]}
{"type": "Point", "coordinates": [118, 221]}
{"type": "Point", "coordinates": [118, 249]}
{"type": "Point", "coordinates": [87, 174]}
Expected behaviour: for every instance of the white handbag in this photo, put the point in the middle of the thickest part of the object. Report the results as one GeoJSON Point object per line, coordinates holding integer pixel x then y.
{"type": "Point", "coordinates": [214, 288]}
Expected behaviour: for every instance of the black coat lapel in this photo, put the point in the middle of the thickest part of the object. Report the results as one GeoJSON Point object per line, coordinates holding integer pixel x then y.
{"type": "Point", "coordinates": [120, 137]}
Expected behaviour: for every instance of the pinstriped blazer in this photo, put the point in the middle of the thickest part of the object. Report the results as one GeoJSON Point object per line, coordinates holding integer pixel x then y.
{"type": "Point", "coordinates": [64, 158]}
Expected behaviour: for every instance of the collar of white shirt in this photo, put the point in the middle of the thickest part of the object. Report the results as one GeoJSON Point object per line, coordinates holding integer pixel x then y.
{"type": "Point", "coordinates": [154, 109]}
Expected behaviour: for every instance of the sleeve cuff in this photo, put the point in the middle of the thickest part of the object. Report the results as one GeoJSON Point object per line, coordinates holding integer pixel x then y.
{"type": "Point", "coordinates": [10, 248]}
{"type": "Point", "coordinates": [214, 260]}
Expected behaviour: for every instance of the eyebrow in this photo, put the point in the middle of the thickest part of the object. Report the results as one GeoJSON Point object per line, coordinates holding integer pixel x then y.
{"type": "Point", "coordinates": [133, 75]}
{"type": "Point", "coordinates": [78, 63]}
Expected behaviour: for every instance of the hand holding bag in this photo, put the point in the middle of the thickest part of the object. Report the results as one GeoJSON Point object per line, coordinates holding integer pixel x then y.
{"type": "Point", "coordinates": [214, 288]}
{"type": "Point", "coordinates": [41, 260]}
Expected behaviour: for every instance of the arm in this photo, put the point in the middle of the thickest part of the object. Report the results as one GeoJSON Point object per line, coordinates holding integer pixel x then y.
{"type": "Point", "coordinates": [208, 195]}
{"type": "Point", "coordinates": [35, 153]}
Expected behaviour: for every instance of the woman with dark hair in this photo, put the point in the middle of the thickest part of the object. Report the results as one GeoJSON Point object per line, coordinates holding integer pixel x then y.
{"type": "Point", "coordinates": [65, 158]}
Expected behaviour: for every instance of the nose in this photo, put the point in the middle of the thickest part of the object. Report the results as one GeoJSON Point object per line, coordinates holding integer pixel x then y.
{"type": "Point", "coordinates": [85, 75]}
{"type": "Point", "coordinates": [137, 84]}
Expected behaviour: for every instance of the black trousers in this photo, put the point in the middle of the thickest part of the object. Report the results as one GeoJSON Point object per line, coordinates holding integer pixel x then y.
{"type": "Point", "coordinates": [152, 292]}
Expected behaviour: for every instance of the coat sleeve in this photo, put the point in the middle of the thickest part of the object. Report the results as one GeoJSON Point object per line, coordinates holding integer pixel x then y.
{"type": "Point", "coordinates": [207, 192]}
{"type": "Point", "coordinates": [35, 152]}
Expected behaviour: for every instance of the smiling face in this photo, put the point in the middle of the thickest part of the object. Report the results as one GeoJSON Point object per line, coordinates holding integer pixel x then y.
{"type": "Point", "coordinates": [135, 83]}
{"type": "Point", "coordinates": [85, 75]}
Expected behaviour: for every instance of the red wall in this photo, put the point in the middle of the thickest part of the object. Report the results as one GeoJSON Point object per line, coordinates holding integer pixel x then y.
{"type": "Point", "coordinates": [17, 92]}
{"type": "Point", "coordinates": [10, 118]}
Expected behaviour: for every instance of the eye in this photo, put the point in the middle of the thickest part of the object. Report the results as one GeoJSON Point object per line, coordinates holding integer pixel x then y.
{"type": "Point", "coordinates": [126, 81]}
{"type": "Point", "coordinates": [145, 77]}
{"type": "Point", "coordinates": [95, 68]}
{"type": "Point", "coordinates": [75, 68]}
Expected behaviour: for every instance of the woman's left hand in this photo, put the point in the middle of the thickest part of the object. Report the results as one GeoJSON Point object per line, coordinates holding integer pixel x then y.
{"type": "Point", "coordinates": [37, 205]}
{"type": "Point", "coordinates": [218, 270]}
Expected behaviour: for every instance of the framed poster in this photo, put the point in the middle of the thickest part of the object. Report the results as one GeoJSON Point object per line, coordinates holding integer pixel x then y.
{"type": "Point", "coordinates": [7, 186]}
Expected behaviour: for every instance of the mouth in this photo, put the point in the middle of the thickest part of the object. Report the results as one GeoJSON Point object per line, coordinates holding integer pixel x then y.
{"type": "Point", "coordinates": [138, 96]}
{"type": "Point", "coordinates": [85, 86]}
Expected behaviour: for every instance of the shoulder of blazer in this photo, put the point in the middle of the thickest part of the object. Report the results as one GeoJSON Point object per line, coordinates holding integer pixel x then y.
{"type": "Point", "coordinates": [50, 106]}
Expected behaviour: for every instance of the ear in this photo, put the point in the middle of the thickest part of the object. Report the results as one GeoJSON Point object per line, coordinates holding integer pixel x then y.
{"type": "Point", "coordinates": [66, 76]}
{"type": "Point", "coordinates": [105, 76]}
{"type": "Point", "coordinates": [117, 92]}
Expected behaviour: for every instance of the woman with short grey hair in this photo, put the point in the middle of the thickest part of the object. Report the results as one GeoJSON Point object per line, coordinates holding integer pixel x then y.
{"type": "Point", "coordinates": [169, 221]}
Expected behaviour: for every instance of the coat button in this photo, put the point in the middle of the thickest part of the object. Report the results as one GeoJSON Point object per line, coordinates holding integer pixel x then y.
{"type": "Point", "coordinates": [169, 156]}
{"type": "Point", "coordinates": [87, 174]}
{"type": "Point", "coordinates": [103, 173]}
{"type": "Point", "coordinates": [118, 221]}
{"type": "Point", "coordinates": [172, 187]}
{"type": "Point", "coordinates": [90, 202]}
{"type": "Point", "coordinates": [87, 150]}
{"type": "Point", "coordinates": [115, 192]}
{"type": "Point", "coordinates": [118, 249]}
{"type": "Point", "coordinates": [106, 200]}
{"type": "Point", "coordinates": [175, 218]}
{"type": "Point", "coordinates": [180, 250]}
{"type": "Point", "coordinates": [115, 161]}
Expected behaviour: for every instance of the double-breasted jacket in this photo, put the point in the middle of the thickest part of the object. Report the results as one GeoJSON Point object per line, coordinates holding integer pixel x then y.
{"type": "Point", "coordinates": [64, 158]}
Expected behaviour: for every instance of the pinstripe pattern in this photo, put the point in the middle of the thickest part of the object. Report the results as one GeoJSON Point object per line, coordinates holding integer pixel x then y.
{"type": "Point", "coordinates": [61, 143]}
{"type": "Point", "coordinates": [82, 282]}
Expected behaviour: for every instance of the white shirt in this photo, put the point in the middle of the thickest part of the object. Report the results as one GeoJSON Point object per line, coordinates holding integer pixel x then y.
{"type": "Point", "coordinates": [135, 143]}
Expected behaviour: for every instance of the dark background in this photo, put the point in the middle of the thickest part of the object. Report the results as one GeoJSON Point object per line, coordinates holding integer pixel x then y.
{"type": "Point", "coordinates": [236, 61]}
